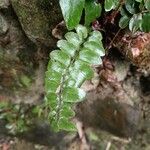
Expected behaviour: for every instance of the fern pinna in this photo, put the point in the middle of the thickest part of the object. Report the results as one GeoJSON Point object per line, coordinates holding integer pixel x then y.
{"type": "Point", "coordinates": [68, 68]}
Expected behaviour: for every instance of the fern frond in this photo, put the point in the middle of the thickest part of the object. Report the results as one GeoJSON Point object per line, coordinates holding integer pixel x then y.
{"type": "Point", "coordinates": [68, 68]}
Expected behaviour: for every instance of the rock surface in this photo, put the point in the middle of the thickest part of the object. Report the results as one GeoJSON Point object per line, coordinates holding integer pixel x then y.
{"type": "Point", "coordinates": [4, 4]}
{"type": "Point", "coordinates": [25, 41]}
{"type": "Point", "coordinates": [38, 18]}
{"type": "Point", "coordinates": [3, 25]}
{"type": "Point", "coordinates": [16, 66]}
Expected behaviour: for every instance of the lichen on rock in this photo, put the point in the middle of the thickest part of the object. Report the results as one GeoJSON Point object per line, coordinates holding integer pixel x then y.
{"type": "Point", "coordinates": [3, 25]}
{"type": "Point", "coordinates": [4, 4]}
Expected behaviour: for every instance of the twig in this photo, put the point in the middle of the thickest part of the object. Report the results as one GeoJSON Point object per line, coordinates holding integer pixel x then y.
{"type": "Point", "coordinates": [112, 41]}
{"type": "Point", "coordinates": [82, 136]}
{"type": "Point", "coordinates": [108, 146]}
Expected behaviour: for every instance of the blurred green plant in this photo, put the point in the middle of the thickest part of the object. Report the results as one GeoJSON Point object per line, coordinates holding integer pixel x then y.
{"type": "Point", "coordinates": [136, 14]}
{"type": "Point", "coordinates": [18, 117]}
{"type": "Point", "coordinates": [72, 11]}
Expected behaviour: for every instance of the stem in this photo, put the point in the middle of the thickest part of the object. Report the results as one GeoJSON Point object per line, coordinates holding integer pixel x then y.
{"type": "Point", "coordinates": [63, 80]}
{"type": "Point", "coordinates": [108, 146]}
{"type": "Point", "coordinates": [112, 41]}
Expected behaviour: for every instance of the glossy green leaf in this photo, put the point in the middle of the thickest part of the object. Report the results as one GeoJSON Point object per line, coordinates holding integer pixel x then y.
{"type": "Point", "coordinates": [53, 75]}
{"type": "Point", "coordinates": [54, 124]}
{"type": "Point", "coordinates": [52, 105]}
{"type": "Point", "coordinates": [78, 76]}
{"type": "Point", "coordinates": [93, 39]}
{"type": "Point", "coordinates": [67, 47]}
{"type": "Point", "coordinates": [56, 66]}
{"type": "Point", "coordinates": [84, 69]}
{"type": "Point", "coordinates": [139, 1]}
{"type": "Point", "coordinates": [123, 12]}
{"type": "Point", "coordinates": [51, 100]}
{"type": "Point", "coordinates": [116, 4]}
{"type": "Point", "coordinates": [60, 56]}
{"type": "Point", "coordinates": [82, 32]}
{"type": "Point", "coordinates": [72, 11]}
{"type": "Point", "coordinates": [51, 86]}
{"type": "Point", "coordinates": [90, 56]}
{"type": "Point", "coordinates": [97, 47]}
{"type": "Point", "coordinates": [95, 34]}
{"type": "Point", "coordinates": [96, 37]}
{"type": "Point", "coordinates": [135, 22]}
{"type": "Point", "coordinates": [92, 11]}
{"type": "Point", "coordinates": [67, 111]}
{"type": "Point", "coordinates": [147, 4]}
{"type": "Point", "coordinates": [109, 5]}
{"type": "Point", "coordinates": [124, 21]}
{"type": "Point", "coordinates": [72, 95]}
{"type": "Point", "coordinates": [52, 114]}
{"type": "Point", "coordinates": [73, 38]}
{"type": "Point", "coordinates": [71, 81]}
{"type": "Point", "coordinates": [146, 22]}
{"type": "Point", "coordinates": [131, 6]}
{"type": "Point", "coordinates": [65, 124]}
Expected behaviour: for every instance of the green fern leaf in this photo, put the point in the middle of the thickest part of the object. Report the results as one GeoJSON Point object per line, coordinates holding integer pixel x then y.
{"type": "Point", "coordinates": [68, 68]}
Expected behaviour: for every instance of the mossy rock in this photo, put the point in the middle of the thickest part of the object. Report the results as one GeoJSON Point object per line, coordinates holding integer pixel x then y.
{"type": "Point", "coordinates": [38, 18]}
{"type": "Point", "coordinates": [3, 25]}
{"type": "Point", "coordinates": [4, 4]}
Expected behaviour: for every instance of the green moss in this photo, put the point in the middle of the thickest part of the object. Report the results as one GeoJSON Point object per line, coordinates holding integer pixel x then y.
{"type": "Point", "coordinates": [25, 80]}
{"type": "Point", "coordinates": [44, 5]}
